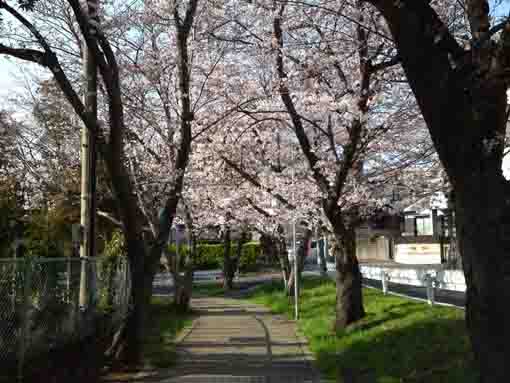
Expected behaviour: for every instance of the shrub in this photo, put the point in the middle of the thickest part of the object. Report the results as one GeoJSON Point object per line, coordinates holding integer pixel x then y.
{"type": "Point", "coordinates": [209, 257]}
{"type": "Point", "coordinates": [250, 255]}
{"type": "Point", "coordinates": [114, 250]}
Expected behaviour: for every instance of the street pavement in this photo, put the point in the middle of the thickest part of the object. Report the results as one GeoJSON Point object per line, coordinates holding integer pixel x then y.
{"type": "Point", "coordinates": [235, 341]}
{"type": "Point", "coordinates": [232, 340]}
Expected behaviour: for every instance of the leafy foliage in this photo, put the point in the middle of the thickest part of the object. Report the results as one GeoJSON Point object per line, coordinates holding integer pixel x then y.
{"type": "Point", "coordinates": [209, 257]}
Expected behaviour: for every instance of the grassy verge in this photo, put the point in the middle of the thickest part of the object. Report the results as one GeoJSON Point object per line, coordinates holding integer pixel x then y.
{"type": "Point", "coordinates": [399, 340]}
{"type": "Point", "coordinates": [163, 326]}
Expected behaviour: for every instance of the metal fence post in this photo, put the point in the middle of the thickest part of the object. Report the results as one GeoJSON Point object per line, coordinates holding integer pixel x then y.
{"type": "Point", "coordinates": [430, 283]}
{"type": "Point", "coordinates": [384, 280]}
{"type": "Point", "coordinates": [25, 320]}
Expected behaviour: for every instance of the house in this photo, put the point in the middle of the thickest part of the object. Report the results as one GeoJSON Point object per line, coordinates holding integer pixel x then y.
{"type": "Point", "coordinates": [375, 238]}
{"type": "Point", "coordinates": [427, 232]}
{"type": "Point", "coordinates": [425, 235]}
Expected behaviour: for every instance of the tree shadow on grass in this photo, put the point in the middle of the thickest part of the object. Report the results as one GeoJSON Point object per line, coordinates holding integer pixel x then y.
{"type": "Point", "coordinates": [435, 350]}
{"type": "Point", "coordinates": [393, 312]}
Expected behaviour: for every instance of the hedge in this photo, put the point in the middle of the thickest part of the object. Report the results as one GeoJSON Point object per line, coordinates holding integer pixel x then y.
{"type": "Point", "coordinates": [210, 257]}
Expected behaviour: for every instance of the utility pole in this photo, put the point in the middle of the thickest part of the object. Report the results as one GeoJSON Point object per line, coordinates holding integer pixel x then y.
{"type": "Point", "coordinates": [88, 163]}
{"type": "Point", "coordinates": [296, 279]}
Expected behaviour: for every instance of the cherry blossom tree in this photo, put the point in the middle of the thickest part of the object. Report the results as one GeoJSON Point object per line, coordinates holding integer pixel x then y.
{"type": "Point", "coordinates": [111, 149]}
{"type": "Point", "coordinates": [460, 84]}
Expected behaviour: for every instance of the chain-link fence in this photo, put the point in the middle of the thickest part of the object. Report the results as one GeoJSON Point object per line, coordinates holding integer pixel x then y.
{"type": "Point", "coordinates": [46, 303]}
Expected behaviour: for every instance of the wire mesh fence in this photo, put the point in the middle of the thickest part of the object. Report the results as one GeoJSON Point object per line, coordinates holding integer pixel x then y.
{"type": "Point", "coordinates": [46, 303]}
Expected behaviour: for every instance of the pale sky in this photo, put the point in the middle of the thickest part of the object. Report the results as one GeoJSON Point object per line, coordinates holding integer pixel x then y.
{"type": "Point", "coordinates": [7, 70]}
{"type": "Point", "coordinates": [10, 77]}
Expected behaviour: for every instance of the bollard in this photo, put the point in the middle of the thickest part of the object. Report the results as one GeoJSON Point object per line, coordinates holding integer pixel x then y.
{"type": "Point", "coordinates": [384, 279]}
{"type": "Point", "coordinates": [430, 285]}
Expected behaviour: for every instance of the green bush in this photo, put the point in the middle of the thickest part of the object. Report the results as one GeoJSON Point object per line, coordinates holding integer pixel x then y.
{"type": "Point", "coordinates": [114, 250]}
{"type": "Point", "coordinates": [183, 253]}
{"type": "Point", "coordinates": [44, 236]}
{"type": "Point", "coordinates": [250, 254]}
{"type": "Point", "coordinates": [209, 257]}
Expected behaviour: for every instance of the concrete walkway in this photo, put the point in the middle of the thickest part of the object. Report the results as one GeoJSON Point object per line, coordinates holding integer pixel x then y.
{"type": "Point", "coordinates": [232, 341]}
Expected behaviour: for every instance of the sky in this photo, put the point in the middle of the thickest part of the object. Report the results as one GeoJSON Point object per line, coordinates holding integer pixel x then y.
{"type": "Point", "coordinates": [9, 70]}
{"type": "Point", "coordinates": [11, 79]}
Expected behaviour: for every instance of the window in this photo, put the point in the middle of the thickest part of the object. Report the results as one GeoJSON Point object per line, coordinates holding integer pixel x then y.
{"type": "Point", "coordinates": [424, 226]}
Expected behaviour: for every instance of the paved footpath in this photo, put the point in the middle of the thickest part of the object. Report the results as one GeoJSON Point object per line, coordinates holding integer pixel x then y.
{"type": "Point", "coordinates": [235, 341]}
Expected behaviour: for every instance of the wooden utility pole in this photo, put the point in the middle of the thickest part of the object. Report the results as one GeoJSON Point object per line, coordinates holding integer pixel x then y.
{"type": "Point", "coordinates": [88, 163]}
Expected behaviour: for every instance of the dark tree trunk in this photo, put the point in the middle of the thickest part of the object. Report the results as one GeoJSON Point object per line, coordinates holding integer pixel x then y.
{"type": "Point", "coordinates": [228, 266]}
{"type": "Point", "coordinates": [268, 247]}
{"type": "Point", "coordinates": [283, 258]}
{"type": "Point", "coordinates": [483, 229]}
{"type": "Point", "coordinates": [183, 290]}
{"type": "Point", "coordinates": [321, 250]}
{"type": "Point", "coordinates": [126, 345]}
{"type": "Point", "coordinates": [445, 78]}
{"type": "Point", "coordinates": [239, 252]}
{"type": "Point", "coordinates": [349, 296]}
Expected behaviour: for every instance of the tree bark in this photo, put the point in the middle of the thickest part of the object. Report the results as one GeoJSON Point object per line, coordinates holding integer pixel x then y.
{"type": "Point", "coordinates": [228, 269]}
{"type": "Point", "coordinates": [483, 227]}
{"type": "Point", "coordinates": [184, 289]}
{"type": "Point", "coordinates": [126, 345]}
{"type": "Point", "coordinates": [283, 258]}
{"type": "Point", "coordinates": [444, 78]}
{"type": "Point", "coordinates": [321, 251]}
{"type": "Point", "coordinates": [349, 296]}
{"type": "Point", "coordinates": [349, 293]}
{"type": "Point", "coordinates": [239, 252]}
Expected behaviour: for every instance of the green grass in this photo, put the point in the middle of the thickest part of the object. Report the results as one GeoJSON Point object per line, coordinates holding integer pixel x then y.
{"type": "Point", "coordinates": [399, 340]}
{"type": "Point", "coordinates": [163, 325]}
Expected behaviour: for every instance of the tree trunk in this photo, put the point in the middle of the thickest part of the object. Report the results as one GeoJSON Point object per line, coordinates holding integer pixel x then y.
{"type": "Point", "coordinates": [239, 252]}
{"type": "Point", "coordinates": [268, 248]}
{"type": "Point", "coordinates": [445, 77]}
{"type": "Point", "coordinates": [322, 257]}
{"type": "Point", "coordinates": [281, 252]}
{"type": "Point", "coordinates": [184, 289]}
{"type": "Point", "coordinates": [483, 228]}
{"type": "Point", "coordinates": [228, 267]}
{"type": "Point", "coordinates": [349, 296]}
{"type": "Point", "coordinates": [126, 346]}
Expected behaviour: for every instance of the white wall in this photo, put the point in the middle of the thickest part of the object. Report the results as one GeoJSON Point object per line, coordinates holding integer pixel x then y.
{"type": "Point", "coordinates": [447, 279]}
{"type": "Point", "coordinates": [418, 253]}
{"type": "Point", "coordinates": [372, 249]}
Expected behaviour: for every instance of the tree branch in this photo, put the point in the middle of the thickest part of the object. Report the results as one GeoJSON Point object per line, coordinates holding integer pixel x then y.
{"type": "Point", "coordinates": [291, 109]}
{"type": "Point", "coordinates": [385, 64]}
